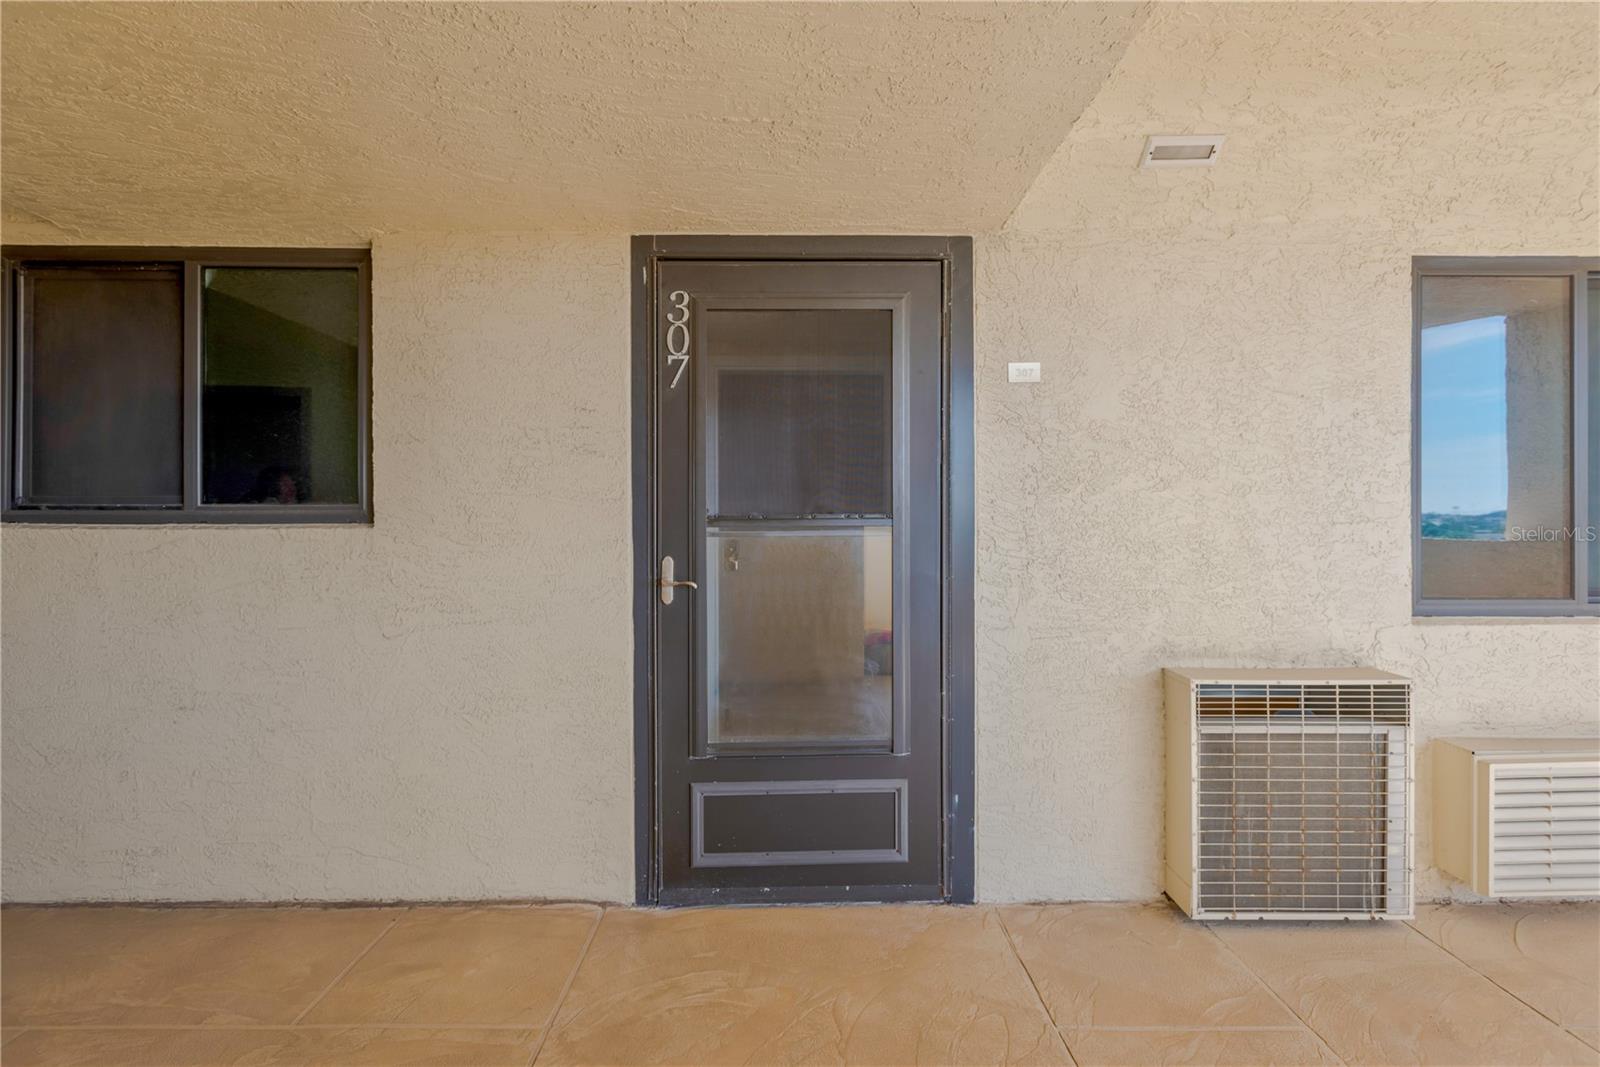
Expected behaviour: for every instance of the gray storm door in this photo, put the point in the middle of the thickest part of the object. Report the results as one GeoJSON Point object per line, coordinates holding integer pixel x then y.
{"type": "Point", "coordinates": [798, 466]}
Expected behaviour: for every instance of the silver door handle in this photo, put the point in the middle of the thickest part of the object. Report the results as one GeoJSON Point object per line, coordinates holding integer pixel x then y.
{"type": "Point", "coordinates": [668, 583]}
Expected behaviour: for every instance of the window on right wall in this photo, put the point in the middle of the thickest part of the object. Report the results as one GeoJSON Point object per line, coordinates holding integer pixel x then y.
{"type": "Point", "coordinates": [1506, 436]}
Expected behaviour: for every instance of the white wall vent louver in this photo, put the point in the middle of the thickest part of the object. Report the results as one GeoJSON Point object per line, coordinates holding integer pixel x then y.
{"type": "Point", "coordinates": [1181, 150]}
{"type": "Point", "coordinates": [1289, 793]}
{"type": "Point", "coordinates": [1519, 817]}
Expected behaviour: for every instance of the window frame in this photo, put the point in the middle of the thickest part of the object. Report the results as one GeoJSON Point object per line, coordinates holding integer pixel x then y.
{"type": "Point", "coordinates": [1578, 269]}
{"type": "Point", "coordinates": [192, 262]}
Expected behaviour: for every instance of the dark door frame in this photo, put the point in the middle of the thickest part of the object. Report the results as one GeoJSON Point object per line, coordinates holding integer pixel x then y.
{"type": "Point", "coordinates": [955, 255]}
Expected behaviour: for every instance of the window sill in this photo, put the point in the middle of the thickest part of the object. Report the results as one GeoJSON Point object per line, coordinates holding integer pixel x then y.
{"type": "Point", "coordinates": [220, 515]}
{"type": "Point", "coordinates": [1576, 616]}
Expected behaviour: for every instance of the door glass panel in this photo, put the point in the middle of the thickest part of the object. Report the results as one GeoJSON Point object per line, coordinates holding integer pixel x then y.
{"type": "Point", "coordinates": [799, 413]}
{"type": "Point", "coordinates": [799, 566]}
{"type": "Point", "coordinates": [804, 646]}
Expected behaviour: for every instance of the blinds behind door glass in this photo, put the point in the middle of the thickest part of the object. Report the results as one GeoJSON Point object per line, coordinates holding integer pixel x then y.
{"type": "Point", "coordinates": [803, 444]}
{"type": "Point", "coordinates": [801, 410]}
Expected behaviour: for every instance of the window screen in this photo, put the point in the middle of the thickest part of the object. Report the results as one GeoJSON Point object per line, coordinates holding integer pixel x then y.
{"type": "Point", "coordinates": [103, 381]}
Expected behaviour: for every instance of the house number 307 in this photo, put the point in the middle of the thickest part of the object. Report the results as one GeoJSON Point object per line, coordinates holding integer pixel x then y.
{"type": "Point", "coordinates": [678, 334]}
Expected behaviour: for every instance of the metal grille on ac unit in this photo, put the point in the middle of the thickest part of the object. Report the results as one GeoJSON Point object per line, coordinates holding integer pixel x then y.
{"type": "Point", "coordinates": [1289, 793]}
{"type": "Point", "coordinates": [1519, 816]}
{"type": "Point", "coordinates": [1546, 821]}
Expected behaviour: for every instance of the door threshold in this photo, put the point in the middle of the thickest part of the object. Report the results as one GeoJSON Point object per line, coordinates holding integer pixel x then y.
{"type": "Point", "coordinates": [817, 894]}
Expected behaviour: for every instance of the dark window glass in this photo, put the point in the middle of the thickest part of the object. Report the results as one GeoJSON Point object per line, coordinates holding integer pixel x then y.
{"type": "Point", "coordinates": [279, 413]}
{"type": "Point", "coordinates": [102, 381]}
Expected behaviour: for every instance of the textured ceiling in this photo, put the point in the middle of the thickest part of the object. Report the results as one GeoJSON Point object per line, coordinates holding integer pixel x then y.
{"type": "Point", "coordinates": [183, 121]}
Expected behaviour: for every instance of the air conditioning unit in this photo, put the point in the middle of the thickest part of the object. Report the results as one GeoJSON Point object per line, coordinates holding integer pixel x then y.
{"type": "Point", "coordinates": [1518, 817]}
{"type": "Point", "coordinates": [1289, 793]}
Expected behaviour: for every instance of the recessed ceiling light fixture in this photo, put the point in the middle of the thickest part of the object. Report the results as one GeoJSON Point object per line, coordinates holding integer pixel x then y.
{"type": "Point", "coordinates": [1181, 150]}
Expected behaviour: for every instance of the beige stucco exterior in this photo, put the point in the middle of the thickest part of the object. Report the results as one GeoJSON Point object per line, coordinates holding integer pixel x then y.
{"type": "Point", "coordinates": [1214, 470]}
{"type": "Point", "coordinates": [1217, 469]}
{"type": "Point", "coordinates": [327, 123]}
{"type": "Point", "coordinates": [434, 706]}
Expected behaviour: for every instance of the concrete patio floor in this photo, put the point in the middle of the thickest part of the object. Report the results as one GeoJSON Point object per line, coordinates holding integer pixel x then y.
{"type": "Point", "coordinates": [570, 984]}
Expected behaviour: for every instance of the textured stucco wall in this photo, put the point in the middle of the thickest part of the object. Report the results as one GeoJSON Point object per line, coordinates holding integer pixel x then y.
{"type": "Point", "coordinates": [435, 706]}
{"type": "Point", "coordinates": [328, 119]}
{"type": "Point", "coordinates": [1215, 468]}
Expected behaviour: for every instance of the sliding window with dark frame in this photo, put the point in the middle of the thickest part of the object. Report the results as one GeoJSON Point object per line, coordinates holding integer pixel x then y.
{"type": "Point", "coordinates": [1505, 489]}
{"type": "Point", "coordinates": [187, 385]}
